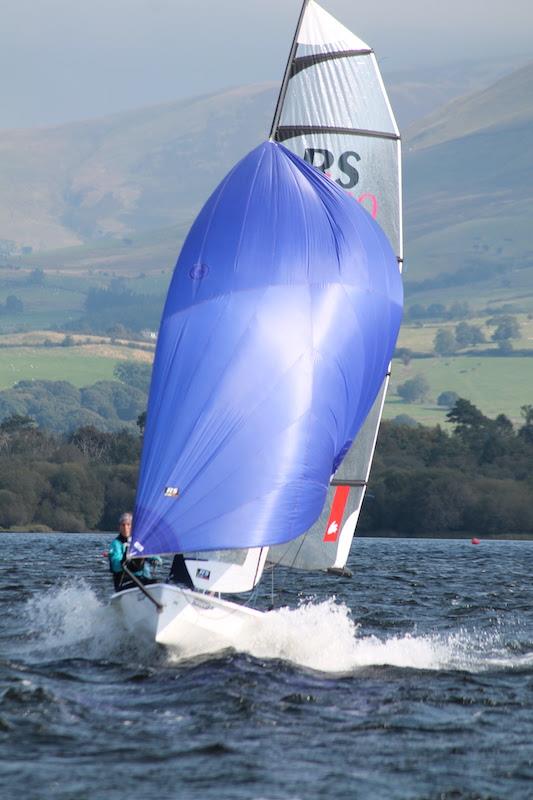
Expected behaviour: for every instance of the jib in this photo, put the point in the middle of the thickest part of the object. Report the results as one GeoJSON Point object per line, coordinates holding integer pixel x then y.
{"type": "Point", "coordinates": [324, 159]}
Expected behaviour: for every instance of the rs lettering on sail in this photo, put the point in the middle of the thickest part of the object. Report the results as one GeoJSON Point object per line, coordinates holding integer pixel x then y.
{"type": "Point", "coordinates": [345, 163]}
{"type": "Point", "coordinates": [325, 161]}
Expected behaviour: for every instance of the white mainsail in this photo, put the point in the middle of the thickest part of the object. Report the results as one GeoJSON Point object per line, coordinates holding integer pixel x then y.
{"type": "Point", "coordinates": [333, 111]}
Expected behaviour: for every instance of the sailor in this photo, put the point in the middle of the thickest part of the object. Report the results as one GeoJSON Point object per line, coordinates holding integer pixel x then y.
{"type": "Point", "coordinates": [118, 550]}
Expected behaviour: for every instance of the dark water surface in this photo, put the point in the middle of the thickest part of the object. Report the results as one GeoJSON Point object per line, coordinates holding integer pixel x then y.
{"type": "Point", "coordinates": [414, 679]}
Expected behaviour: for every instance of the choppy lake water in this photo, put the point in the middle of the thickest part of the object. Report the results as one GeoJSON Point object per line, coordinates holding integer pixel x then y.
{"type": "Point", "coordinates": [412, 680]}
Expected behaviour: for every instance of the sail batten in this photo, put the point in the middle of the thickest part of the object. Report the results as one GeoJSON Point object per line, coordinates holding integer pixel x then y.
{"type": "Point", "coordinates": [284, 132]}
{"type": "Point", "coordinates": [348, 482]}
{"type": "Point", "coordinates": [303, 62]}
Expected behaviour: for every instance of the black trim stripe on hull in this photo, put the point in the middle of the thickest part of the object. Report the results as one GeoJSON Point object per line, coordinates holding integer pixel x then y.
{"type": "Point", "coordinates": [303, 62]}
{"type": "Point", "coordinates": [285, 132]}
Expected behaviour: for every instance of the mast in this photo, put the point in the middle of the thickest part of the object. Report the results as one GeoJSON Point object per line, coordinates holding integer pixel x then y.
{"type": "Point", "coordinates": [287, 73]}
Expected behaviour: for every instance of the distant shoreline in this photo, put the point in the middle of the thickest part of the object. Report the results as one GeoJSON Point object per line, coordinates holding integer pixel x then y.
{"type": "Point", "coordinates": [446, 535]}
{"type": "Point", "coordinates": [365, 535]}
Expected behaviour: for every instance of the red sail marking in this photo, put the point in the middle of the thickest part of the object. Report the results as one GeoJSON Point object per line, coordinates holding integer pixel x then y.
{"type": "Point", "coordinates": [333, 528]}
{"type": "Point", "coordinates": [373, 211]}
{"type": "Point", "coordinates": [373, 201]}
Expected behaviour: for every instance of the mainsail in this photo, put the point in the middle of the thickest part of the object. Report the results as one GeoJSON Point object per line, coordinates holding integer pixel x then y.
{"type": "Point", "coordinates": [333, 111]}
{"type": "Point", "coordinates": [279, 325]}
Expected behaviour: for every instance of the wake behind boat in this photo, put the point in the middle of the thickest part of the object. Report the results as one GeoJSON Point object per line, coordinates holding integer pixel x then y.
{"type": "Point", "coordinates": [274, 348]}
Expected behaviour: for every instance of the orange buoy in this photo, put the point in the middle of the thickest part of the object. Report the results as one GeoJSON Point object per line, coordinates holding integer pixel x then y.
{"type": "Point", "coordinates": [475, 541]}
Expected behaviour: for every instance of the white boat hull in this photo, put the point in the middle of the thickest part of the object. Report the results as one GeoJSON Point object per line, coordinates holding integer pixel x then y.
{"type": "Point", "coordinates": [188, 621]}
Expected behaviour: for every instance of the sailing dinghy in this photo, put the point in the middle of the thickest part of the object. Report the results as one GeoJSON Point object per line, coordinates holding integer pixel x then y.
{"type": "Point", "coordinates": [273, 351]}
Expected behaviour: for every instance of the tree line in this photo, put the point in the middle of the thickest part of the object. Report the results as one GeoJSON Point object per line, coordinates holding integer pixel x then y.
{"type": "Point", "coordinates": [448, 341]}
{"type": "Point", "coordinates": [80, 481]}
{"type": "Point", "coordinates": [61, 407]}
{"type": "Point", "coordinates": [105, 305]}
{"type": "Point", "coordinates": [473, 478]}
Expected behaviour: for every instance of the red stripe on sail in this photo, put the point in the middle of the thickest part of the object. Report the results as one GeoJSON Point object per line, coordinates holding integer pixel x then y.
{"type": "Point", "coordinates": [333, 527]}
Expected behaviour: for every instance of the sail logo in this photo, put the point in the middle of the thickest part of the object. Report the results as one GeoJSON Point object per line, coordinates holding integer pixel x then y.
{"type": "Point", "coordinates": [340, 498]}
{"type": "Point", "coordinates": [198, 271]}
{"type": "Point", "coordinates": [171, 491]}
{"type": "Point", "coordinates": [205, 574]}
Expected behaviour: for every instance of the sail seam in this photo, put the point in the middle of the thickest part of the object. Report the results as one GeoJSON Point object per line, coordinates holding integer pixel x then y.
{"type": "Point", "coordinates": [304, 62]}
{"type": "Point", "coordinates": [246, 212]}
{"type": "Point", "coordinates": [285, 132]}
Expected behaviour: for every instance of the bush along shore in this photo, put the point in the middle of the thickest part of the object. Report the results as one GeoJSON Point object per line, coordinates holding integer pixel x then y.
{"type": "Point", "coordinates": [76, 482]}
{"type": "Point", "coordinates": [473, 478]}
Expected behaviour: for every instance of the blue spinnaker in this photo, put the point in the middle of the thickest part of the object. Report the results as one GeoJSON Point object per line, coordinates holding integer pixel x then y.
{"type": "Point", "coordinates": [278, 329]}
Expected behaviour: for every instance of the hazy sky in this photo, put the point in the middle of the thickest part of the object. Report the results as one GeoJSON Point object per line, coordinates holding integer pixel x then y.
{"type": "Point", "coordinates": [66, 59]}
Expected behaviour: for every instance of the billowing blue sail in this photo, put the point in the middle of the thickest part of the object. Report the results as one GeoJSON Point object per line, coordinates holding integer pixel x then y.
{"type": "Point", "coordinates": [279, 325]}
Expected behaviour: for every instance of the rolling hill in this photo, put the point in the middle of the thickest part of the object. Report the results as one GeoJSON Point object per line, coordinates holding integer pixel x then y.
{"type": "Point", "coordinates": [116, 195]}
{"type": "Point", "coordinates": [128, 173]}
{"type": "Point", "coordinates": [468, 190]}
{"type": "Point", "coordinates": [107, 181]}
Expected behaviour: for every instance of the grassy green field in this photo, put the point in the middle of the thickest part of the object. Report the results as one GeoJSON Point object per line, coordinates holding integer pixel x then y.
{"type": "Point", "coordinates": [420, 338]}
{"type": "Point", "coordinates": [57, 364]}
{"type": "Point", "coordinates": [62, 297]}
{"type": "Point", "coordinates": [516, 290]}
{"type": "Point", "coordinates": [80, 365]}
{"type": "Point", "coordinates": [59, 300]}
{"type": "Point", "coordinates": [495, 385]}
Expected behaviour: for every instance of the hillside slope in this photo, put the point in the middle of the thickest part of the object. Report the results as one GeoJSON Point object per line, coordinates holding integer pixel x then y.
{"type": "Point", "coordinates": [506, 102]}
{"type": "Point", "coordinates": [119, 177]}
{"type": "Point", "coordinates": [119, 193]}
{"type": "Point", "coordinates": [130, 172]}
{"type": "Point", "coordinates": [467, 184]}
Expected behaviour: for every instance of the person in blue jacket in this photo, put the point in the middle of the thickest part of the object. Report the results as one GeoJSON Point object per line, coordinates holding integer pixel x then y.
{"type": "Point", "coordinates": [118, 549]}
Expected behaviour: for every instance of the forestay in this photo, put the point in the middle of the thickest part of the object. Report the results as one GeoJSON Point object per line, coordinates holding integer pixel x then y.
{"type": "Point", "coordinates": [333, 112]}
{"type": "Point", "coordinates": [278, 328]}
